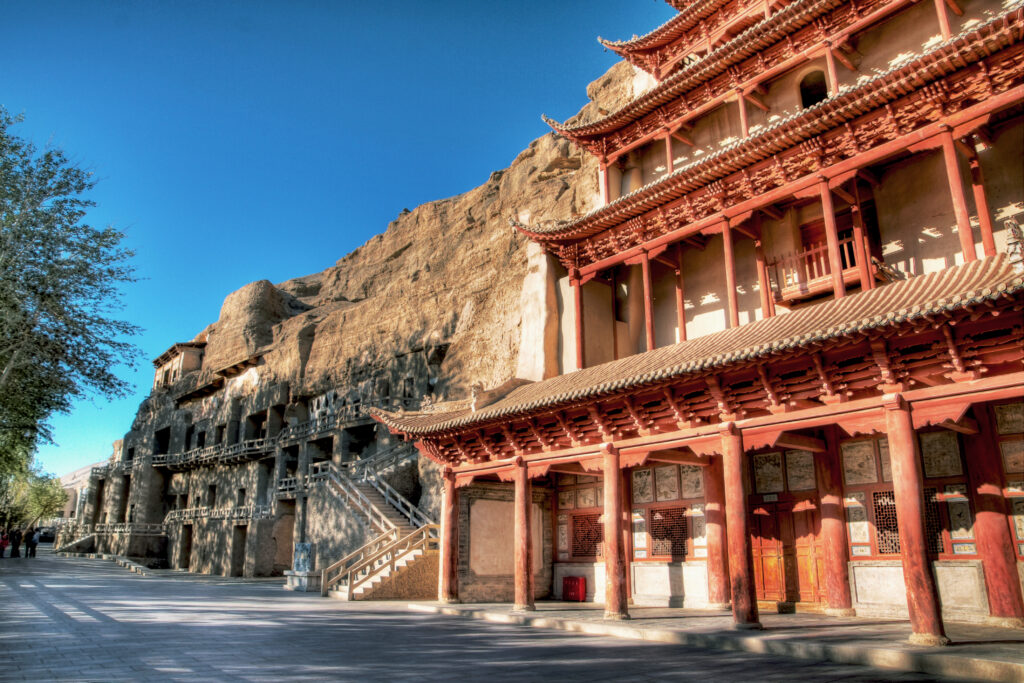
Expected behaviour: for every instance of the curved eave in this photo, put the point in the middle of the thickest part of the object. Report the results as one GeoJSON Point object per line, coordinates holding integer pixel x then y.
{"type": "Point", "coordinates": [781, 135]}
{"type": "Point", "coordinates": [757, 37]}
{"type": "Point", "coordinates": [952, 290]}
{"type": "Point", "coordinates": [667, 32]}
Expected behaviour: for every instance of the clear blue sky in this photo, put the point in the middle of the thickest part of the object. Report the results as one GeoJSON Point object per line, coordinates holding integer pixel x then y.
{"type": "Point", "coordinates": [237, 141]}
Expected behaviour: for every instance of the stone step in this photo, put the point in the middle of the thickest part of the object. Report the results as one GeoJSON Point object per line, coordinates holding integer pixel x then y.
{"type": "Point", "coordinates": [364, 589]}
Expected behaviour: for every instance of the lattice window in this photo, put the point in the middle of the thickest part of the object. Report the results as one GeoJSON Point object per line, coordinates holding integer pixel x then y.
{"type": "Point", "coordinates": [932, 523]}
{"type": "Point", "coordinates": [668, 531]}
{"type": "Point", "coordinates": [587, 536]}
{"type": "Point", "coordinates": [886, 531]}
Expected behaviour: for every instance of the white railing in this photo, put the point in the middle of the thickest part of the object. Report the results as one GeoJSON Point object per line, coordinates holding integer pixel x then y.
{"type": "Point", "coordinates": [327, 473]}
{"type": "Point", "coordinates": [130, 528]}
{"type": "Point", "coordinates": [240, 512]}
{"type": "Point", "coordinates": [379, 462]}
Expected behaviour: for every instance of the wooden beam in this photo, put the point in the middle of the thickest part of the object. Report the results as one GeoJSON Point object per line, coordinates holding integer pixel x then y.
{"type": "Point", "coordinates": [686, 140]}
{"type": "Point", "coordinates": [965, 425]}
{"type": "Point", "coordinates": [845, 196]}
{"type": "Point", "coordinates": [800, 442]}
{"type": "Point", "coordinates": [568, 468]}
{"type": "Point", "coordinates": [679, 456]}
{"type": "Point", "coordinates": [772, 212]}
{"type": "Point", "coordinates": [756, 100]}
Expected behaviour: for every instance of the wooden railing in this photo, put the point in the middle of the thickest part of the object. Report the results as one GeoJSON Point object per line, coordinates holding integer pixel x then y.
{"type": "Point", "coordinates": [805, 271]}
{"type": "Point", "coordinates": [239, 512]}
{"type": "Point", "coordinates": [383, 552]}
{"type": "Point", "coordinates": [378, 462]}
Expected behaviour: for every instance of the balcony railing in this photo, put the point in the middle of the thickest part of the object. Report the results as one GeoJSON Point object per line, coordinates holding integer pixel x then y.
{"type": "Point", "coordinates": [232, 513]}
{"type": "Point", "coordinates": [808, 273]}
{"type": "Point", "coordinates": [130, 528]}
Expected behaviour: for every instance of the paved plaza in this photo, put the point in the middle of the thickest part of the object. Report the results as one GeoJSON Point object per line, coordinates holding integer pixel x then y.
{"type": "Point", "coordinates": [85, 619]}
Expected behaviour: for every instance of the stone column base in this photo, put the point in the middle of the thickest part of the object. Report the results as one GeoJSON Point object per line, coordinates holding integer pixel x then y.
{"type": "Point", "coordinates": [302, 582]}
{"type": "Point", "coordinates": [928, 640]}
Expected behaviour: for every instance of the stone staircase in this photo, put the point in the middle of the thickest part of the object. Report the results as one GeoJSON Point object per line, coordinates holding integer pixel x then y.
{"type": "Point", "coordinates": [401, 561]}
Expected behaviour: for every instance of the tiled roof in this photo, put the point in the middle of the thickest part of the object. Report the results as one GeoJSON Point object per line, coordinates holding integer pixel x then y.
{"type": "Point", "coordinates": [760, 35]}
{"type": "Point", "coordinates": [789, 131]}
{"type": "Point", "coordinates": [670, 30]}
{"type": "Point", "coordinates": [906, 301]}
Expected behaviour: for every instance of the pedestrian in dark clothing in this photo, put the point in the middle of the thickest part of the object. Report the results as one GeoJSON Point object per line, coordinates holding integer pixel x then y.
{"type": "Point", "coordinates": [5, 541]}
{"type": "Point", "coordinates": [31, 541]}
{"type": "Point", "coordinates": [15, 542]}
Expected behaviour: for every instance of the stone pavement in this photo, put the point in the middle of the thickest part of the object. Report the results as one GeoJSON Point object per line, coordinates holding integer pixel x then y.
{"type": "Point", "coordinates": [77, 619]}
{"type": "Point", "coordinates": [977, 653]}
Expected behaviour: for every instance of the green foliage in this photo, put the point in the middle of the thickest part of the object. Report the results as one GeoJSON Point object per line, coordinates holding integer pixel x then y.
{"type": "Point", "coordinates": [60, 282]}
{"type": "Point", "coordinates": [28, 497]}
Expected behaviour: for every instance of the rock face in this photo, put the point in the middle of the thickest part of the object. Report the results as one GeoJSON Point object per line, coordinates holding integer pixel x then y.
{"type": "Point", "coordinates": [444, 278]}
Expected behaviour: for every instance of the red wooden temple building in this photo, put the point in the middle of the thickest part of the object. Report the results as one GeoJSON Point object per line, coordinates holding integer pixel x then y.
{"type": "Point", "coordinates": [791, 366]}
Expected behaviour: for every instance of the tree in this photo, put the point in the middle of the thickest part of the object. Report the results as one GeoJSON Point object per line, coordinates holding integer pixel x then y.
{"type": "Point", "coordinates": [27, 497]}
{"type": "Point", "coordinates": [60, 282]}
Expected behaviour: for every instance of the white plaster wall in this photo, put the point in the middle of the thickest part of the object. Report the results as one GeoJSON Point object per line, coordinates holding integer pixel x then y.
{"type": "Point", "coordinates": [492, 537]}
{"type": "Point", "coordinates": [879, 589]}
{"type": "Point", "coordinates": [669, 584]}
{"type": "Point", "coordinates": [538, 328]}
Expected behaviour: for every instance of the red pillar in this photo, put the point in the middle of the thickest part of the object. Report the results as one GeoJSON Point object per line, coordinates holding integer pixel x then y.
{"type": "Point", "coordinates": [615, 597]}
{"type": "Point", "coordinates": [833, 75]}
{"type": "Point", "coordinates": [991, 530]}
{"type": "Point", "coordinates": [668, 152]}
{"type": "Point", "coordinates": [940, 10]}
{"type": "Point", "coordinates": [834, 543]}
{"type": "Point", "coordinates": [741, 561]}
{"type": "Point", "coordinates": [714, 519]}
{"type": "Point", "coordinates": [577, 296]}
{"type": "Point", "coordinates": [835, 262]}
{"type": "Point", "coordinates": [523, 542]}
{"type": "Point", "coordinates": [762, 280]}
{"type": "Point", "coordinates": [956, 192]}
{"type": "Point", "coordinates": [922, 594]}
{"type": "Point", "coordinates": [860, 244]}
{"type": "Point", "coordinates": [744, 124]}
{"type": "Point", "coordinates": [602, 181]}
{"type": "Point", "coordinates": [645, 265]}
{"type": "Point", "coordinates": [730, 276]}
{"type": "Point", "coordinates": [448, 576]}
{"type": "Point", "coordinates": [680, 294]}
{"type": "Point", "coordinates": [988, 241]}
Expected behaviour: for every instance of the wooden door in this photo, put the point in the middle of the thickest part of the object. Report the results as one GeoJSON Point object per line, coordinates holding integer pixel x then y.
{"type": "Point", "coordinates": [766, 547]}
{"type": "Point", "coordinates": [788, 564]}
{"type": "Point", "coordinates": [809, 562]}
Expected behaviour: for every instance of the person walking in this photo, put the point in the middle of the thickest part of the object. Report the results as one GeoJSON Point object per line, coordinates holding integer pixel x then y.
{"type": "Point", "coordinates": [5, 540]}
{"type": "Point", "coordinates": [15, 542]}
{"type": "Point", "coordinates": [32, 542]}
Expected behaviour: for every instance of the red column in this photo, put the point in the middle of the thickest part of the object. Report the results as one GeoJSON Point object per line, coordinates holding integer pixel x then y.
{"type": "Point", "coordinates": [860, 244]}
{"type": "Point", "coordinates": [922, 594]}
{"type": "Point", "coordinates": [956, 191]}
{"type": "Point", "coordinates": [988, 241]}
{"type": "Point", "coordinates": [523, 542]}
{"type": "Point", "coordinates": [830, 64]}
{"type": "Point", "coordinates": [680, 294]}
{"type": "Point", "coordinates": [615, 598]}
{"type": "Point", "coordinates": [741, 561]}
{"type": "Point", "coordinates": [762, 280]}
{"type": "Point", "coordinates": [645, 265]}
{"type": "Point", "coordinates": [940, 10]}
{"type": "Point", "coordinates": [835, 262]}
{"type": "Point", "coordinates": [730, 276]}
{"type": "Point", "coordinates": [577, 296]}
{"type": "Point", "coordinates": [668, 152]}
{"type": "Point", "coordinates": [991, 529]}
{"type": "Point", "coordinates": [744, 124]}
{"type": "Point", "coordinates": [834, 545]}
{"type": "Point", "coordinates": [602, 181]}
{"type": "Point", "coordinates": [714, 518]}
{"type": "Point", "coordinates": [448, 567]}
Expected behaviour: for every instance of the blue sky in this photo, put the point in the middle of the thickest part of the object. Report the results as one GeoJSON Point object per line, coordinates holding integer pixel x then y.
{"type": "Point", "coordinates": [237, 141]}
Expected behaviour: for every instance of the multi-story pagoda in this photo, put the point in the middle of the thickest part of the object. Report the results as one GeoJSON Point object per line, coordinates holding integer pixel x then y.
{"type": "Point", "coordinates": [790, 335]}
